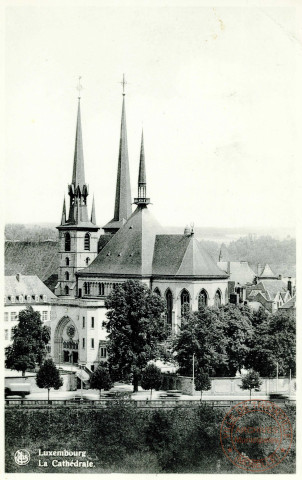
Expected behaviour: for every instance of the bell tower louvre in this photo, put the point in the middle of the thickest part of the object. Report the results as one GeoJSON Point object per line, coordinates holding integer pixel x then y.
{"type": "Point", "coordinates": [77, 232]}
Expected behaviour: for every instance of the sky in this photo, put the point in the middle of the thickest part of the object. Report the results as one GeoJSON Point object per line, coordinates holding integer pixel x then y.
{"type": "Point", "coordinates": [216, 90]}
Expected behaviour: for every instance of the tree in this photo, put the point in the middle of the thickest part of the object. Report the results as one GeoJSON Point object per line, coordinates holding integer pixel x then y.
{"type": "Point", "coordinates": [30, 338]}
{"type": "Point", "coordinates": [238, 332]}
{"type": "Point", "coordinates": [274, 341]}
{"type": "Point", "coordinates": [201, 334]}
{"type": "Point", "coordinates": [135, 328]}
{"type": "Point", "coordinates": [48, 376]}
{"type": "Point", "coordinates": [219, 338]}
{"type": "Point", "coordinates": [251, 381]}
{"type": "Point", "coordinates": [100, 379]}
{"type": "Point", "coordinates": [202, 381]}
{"type": "Point", "coordinates": [151, 378]}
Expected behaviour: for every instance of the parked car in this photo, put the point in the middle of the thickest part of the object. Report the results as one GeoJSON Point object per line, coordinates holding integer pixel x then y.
{"type": "Point", "coordinates": [17, 388]}
{"type": "Point", "coordinates": [278, 397]}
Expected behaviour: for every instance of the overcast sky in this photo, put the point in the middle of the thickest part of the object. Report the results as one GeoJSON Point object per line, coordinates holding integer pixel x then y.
{"type": "Point", "coordinates": [216, 90]}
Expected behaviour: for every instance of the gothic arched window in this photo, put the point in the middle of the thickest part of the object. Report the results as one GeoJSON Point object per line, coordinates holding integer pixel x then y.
{"type": "Point", "coordinates": [67, 261]}
{"type": "Point", "coordinates": [87, 241]}
{"type": "Point", "coordinates": [217, 299]}
{"type": "Point", "coordinates": [202, 298]}
{"type": "Point", "coordinates": [157, 291]}
{"type": "Point", "coordinates": [67, 242]}
{"type": "Point", "coordinates": [185, 298]}
{"type": "Point", "coordinates": [66, 290]}
{"type": "Point", "coordinates": [101, 289]}
{"type": "Point", "coordinates": [87, 260]}
{"type": "Point", "coordinates": [66, 276]}
{"type": "Point", "coordinates": [169, 304]}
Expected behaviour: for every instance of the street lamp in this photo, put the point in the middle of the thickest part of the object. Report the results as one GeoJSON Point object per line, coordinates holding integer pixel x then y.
{"type": "Point", "coordinates": [193, 374]}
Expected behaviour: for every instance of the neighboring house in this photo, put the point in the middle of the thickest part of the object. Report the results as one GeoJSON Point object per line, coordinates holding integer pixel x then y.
{"type": "Point", "coordinates": [134, 246]}
{"type": "Point", "coordinates": [290, 304]}
{"type": "Point", "coordinates": [20, 292]}
{"type": "Point", "coordinates": [272, 294]}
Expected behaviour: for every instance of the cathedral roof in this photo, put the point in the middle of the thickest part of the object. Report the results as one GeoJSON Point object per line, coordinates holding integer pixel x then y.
{"type": "Point", "coordinates": [130, 250]}
{"type": "Point", "coordinates": [183, 256]}
{"type": "Point", "coordinates": [139, 249]}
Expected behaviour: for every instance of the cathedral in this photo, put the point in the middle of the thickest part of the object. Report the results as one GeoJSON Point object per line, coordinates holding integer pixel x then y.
{"type": "Point", "coordinates": [133, 246]}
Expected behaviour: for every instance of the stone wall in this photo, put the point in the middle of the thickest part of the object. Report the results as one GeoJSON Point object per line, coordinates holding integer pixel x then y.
{"type": "Point", "coordinates": [231, 386]}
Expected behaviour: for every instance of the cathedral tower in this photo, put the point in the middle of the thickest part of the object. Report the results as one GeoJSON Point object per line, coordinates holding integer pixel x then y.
{"type": "Point", "coordinates": [77, 232]}
{"type": "Point", "coordinates": [122, 207]}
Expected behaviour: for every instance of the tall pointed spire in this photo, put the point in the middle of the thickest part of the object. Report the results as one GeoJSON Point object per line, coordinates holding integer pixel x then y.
{"type": "Point", "coordinates": [78, 174]}
{"type": "Point", "coordinates": [92, 218]}
{"type": "Point", "coordinates": [63, 218]}
{"type": "Point", "coordinates": [77, 189]}
{"type": "Point", "coordinates": [142, 183]}
{"type": "Point", "coordinates": [142, 167]}
{"type": "Point", "coordinates": [122, 206]}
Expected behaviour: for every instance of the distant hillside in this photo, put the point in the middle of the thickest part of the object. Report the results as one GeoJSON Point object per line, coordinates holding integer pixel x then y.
{"type": "Point", "coordinates": [31, 232]}
{"type": "Point", "coordinates": [279, 254]}
{"type": "Point", "coordinates": [41, 258]}
{"type": "Point", "coordinates": [32, 258]}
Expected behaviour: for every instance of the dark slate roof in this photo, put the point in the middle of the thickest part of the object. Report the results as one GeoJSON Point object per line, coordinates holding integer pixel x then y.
{"type": "Point", "coordinates": [103, 240]}
{"type": "Point", "coordinates": [182, 255]}
{"type": "Point", "coordinates": [130, 250]}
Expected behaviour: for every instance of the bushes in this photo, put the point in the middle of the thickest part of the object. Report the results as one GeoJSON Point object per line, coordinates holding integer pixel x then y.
{"type": "Point", "coordinates": [125, 439]}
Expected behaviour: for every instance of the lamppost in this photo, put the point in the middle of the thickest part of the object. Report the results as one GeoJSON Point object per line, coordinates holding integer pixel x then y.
{"type": "Point", "coordinates": [193, 374]}
{"type": "Point", "coordinates": [80, 365]}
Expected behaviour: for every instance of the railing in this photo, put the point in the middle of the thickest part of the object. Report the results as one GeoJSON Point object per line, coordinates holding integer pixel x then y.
{"type": "Point", "coordinates": [104, 403]}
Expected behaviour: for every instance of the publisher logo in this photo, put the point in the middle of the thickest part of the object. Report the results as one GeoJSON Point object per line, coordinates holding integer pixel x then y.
{"type": "Point", "coordinates": [22, 457]}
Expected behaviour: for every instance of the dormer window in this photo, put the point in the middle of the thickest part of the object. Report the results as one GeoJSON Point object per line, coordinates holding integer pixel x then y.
{"type": "Point", "coordinates": [28, 298]}
{"type": "Point", "coordinates": [44, 298]}
{"type": "Point", "coordinates": [36, 298]}
{"type": "Point", "coordinates": [87, 241]}
{"type": "Point", "coordinates": [12, 299]}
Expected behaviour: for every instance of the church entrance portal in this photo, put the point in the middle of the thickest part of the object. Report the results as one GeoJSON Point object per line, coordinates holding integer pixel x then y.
{"type": "Point", "coordinates": [66, 342]}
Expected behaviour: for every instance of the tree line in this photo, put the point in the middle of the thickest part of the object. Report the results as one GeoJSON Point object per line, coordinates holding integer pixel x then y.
{"type": "Point", "coordinates": [222, 340]}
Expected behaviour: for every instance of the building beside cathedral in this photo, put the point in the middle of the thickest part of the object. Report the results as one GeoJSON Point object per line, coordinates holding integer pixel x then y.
{"type": "Point", "coordinates": [134, 246]}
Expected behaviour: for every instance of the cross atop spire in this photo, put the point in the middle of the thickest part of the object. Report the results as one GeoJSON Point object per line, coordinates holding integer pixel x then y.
{"type": "Point", "coordinates": [123, 83]}
{"type": "Point", "coordinates": [79, 88]}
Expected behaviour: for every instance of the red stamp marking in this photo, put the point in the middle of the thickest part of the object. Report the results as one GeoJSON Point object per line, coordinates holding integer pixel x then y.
{"type": "Point", "coordinates": [256, 435]}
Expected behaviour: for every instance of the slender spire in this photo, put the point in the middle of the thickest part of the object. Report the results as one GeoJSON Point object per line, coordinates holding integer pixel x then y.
{"type": "Point", "coordinates": [78, 175]}
{"type": "Point", "coordinates": [142, 183]}
{"type": "Point", "coordinates": [92, 219]}
{"type": "Point", "coordinates": [122, 207]}
{"type": "Point", "coordinates": [142, 167]}
{"type": "Point", "coordinates": [63, 219]}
